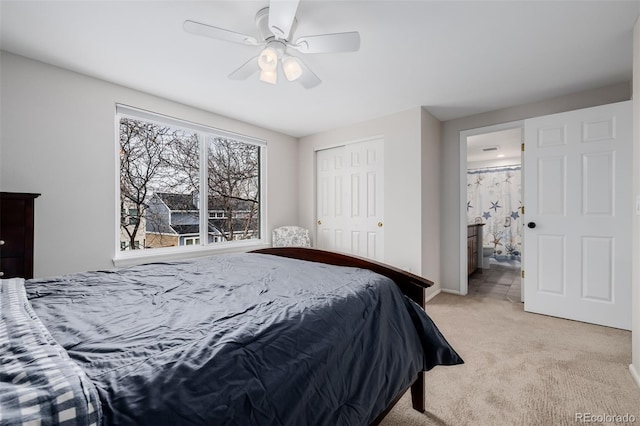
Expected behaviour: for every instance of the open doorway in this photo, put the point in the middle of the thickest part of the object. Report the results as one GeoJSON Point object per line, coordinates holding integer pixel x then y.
{"type": "Point", "coordinates": [492, 211]}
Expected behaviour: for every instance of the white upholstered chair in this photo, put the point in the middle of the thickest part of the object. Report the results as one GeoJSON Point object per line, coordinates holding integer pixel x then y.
{"type": "Point", "coordinates": [290, 236]}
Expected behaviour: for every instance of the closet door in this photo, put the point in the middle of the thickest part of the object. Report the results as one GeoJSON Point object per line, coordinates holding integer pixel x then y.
{"type": "Point", "coordinates": [331, 200]}
{"type": "Point", "coordinates": [350, 199]}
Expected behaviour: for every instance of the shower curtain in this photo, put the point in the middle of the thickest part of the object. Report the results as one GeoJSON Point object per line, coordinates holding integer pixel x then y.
{"type": "Point", "coordinates": [494, 198]}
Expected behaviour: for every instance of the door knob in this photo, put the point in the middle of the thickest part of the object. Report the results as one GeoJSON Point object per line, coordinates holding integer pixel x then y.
{"type": "Point", "coordinates": [531, 225]}
{"type": "Point", "coordinates": [379, 224]}
{"type": "Point", "coordinates": [319, 222]}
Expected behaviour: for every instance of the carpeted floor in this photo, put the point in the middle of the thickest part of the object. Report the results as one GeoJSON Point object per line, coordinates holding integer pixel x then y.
{"type": "Point", "coordinates": [523, 369]}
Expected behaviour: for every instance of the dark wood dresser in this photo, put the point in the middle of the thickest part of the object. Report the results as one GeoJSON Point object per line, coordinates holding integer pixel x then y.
{"type": "Point", "coordinates": [474, 247]}
{"type": "Point", "coordinates": [16, 234]}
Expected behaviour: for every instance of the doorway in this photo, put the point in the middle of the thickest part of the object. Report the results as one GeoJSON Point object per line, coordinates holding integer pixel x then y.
{"type": "Point", "coordinates": [491, 211]}
{"type": "Point", "coordinates": [494, 207]}
{"type": "Point", "coordinates": [576, 243]}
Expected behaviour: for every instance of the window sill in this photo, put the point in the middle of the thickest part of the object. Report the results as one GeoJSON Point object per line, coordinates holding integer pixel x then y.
{"type": "Point", "coordinates": [138, 257]}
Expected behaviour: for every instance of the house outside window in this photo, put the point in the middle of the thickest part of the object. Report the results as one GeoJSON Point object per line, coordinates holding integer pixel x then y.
{"type": "Point", "coordinates": [185, 184]}
{"type": "Point", "coordinates": [131, 233]}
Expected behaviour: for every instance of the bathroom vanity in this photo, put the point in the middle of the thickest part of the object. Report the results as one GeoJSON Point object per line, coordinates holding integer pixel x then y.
{"type": "Point", "coordinates": [474, 247]}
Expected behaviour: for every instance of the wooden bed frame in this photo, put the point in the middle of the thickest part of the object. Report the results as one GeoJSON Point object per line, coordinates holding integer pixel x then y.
{"type": "Point", "coordinates": [411, 285]}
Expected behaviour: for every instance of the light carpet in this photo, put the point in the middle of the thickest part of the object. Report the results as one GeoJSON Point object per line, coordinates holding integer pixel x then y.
{"type": "Point", "coordinates": [523, 369]}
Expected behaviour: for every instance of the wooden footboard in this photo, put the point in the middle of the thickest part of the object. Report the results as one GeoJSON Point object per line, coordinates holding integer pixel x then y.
{"type": "Point", "coordinates": [412, 285]}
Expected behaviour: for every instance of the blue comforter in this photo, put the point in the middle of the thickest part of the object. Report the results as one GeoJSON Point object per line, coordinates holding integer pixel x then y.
{"type": "Point", "coordinates": [39, 384]}
{"type": "Point", "coordinates": [240, 339]}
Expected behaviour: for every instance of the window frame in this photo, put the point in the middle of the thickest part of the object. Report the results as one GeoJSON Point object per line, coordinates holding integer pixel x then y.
{"type": "Point", "coordinates": [131, 257]}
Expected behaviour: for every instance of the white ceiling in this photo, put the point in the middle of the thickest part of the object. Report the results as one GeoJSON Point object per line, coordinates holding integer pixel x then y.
{"type": "Point", "coordinates": [455, 58]}
{"type": "Point", "coordinates": [507, 143]}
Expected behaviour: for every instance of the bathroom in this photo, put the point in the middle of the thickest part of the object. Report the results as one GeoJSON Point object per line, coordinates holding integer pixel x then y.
{"type": "Point", "coordinates": [494, 212]}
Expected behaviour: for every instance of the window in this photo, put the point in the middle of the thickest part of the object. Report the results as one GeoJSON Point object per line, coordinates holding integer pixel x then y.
{"type": "Point", "coordinates": [125, 245]}
{"type": "Point", "coordinates": [190, 241]}
{"type": "Point", "coordinates": [216, 215]}
{"type": "Point", "coordinates": [133, 217]}
{"type": "Point", "coordinates": [184, 184]}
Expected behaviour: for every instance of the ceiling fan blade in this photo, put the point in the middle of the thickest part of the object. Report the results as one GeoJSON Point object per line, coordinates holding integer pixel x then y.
{"type": "Point", "coordinates": [246, 70]}
{"type": "Point", "coordinates": [281, 16]}
{"type": "Point", "coordinates": [218, 33]}
{"type": "Point", "coordinates": [329, 43]}
{"type": "Point", "coordinates": [308, 79]}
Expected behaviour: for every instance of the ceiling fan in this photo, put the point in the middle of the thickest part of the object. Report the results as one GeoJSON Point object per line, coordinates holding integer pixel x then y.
{"type": "Point", "coordinates": [276, 24]}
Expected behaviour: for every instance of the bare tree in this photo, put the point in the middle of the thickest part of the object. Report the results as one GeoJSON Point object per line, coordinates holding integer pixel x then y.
{"type": "Point", "coordinates": [234, 173]}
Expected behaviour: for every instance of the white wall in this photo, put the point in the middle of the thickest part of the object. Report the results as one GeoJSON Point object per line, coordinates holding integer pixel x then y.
{"type": "Point", "coordinates": [430, 138]}
{"type": "Point", "coordinates": [450, 178]}
{"type": "Point", "coordinates": [635, 278]}
{"type": "Point", "coordinates": [58, 139]}
{"type": "Point", "coordinates": [405, 134]}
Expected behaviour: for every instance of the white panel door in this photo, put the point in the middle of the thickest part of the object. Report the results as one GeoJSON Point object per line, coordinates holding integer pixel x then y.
{"type": "Point", "coordinates": [350, 190]}
{"type": "Point", "coordinates": [331, 198]}
{"type": "Point", "coordinates": [365, 201]}
{"type": "Point", "coordinates": [578, 205]}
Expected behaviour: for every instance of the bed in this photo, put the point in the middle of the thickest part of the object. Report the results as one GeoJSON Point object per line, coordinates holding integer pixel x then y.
{"type": "Point", "coordinates": [285, 336]}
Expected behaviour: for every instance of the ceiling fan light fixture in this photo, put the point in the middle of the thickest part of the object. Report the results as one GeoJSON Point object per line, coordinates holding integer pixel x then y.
{"type": "Point", "coordinates": [275, 24]}
{"type": "Point", "coordinates": [292, 68]}
{"type": "Point", "coordinates": [268, 59]}
{"type": "Point", "coordinates": [270, 77]}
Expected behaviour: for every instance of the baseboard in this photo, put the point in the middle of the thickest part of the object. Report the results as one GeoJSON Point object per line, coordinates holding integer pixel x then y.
{"type": "Point", "coordinates": [446, 290]}
{"type": "Point", "coordinates": [635, 374]}
{"type": "Point", "coordinates": [435, 293]}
